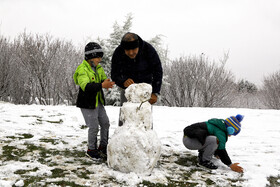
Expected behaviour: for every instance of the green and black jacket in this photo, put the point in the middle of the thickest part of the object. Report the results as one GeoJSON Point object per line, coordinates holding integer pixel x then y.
{"type": "Point", "coordinates": [214, 127]}
{"type": "Point", "coordinates": [90, 83]}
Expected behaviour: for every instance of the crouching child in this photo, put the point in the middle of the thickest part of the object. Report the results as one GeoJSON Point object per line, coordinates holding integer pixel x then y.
{"type": "Point", "coordinates": [210, 138]}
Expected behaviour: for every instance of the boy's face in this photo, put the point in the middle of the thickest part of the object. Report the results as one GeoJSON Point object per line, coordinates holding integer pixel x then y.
{"type": "Point", "coordinates": [94, 61]}
{"type": "Point", "coordinates": [131, 53]}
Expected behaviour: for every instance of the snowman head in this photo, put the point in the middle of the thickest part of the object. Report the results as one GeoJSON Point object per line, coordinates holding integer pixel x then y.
{"type": "Point", "coordinates": [137, 93]}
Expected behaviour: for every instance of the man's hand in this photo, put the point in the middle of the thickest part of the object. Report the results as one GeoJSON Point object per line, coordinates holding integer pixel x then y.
{"type": "Point", "coordinates": [128, 82]}
{"type": "Point", "coordinates": [153, 99]}
{"type": "Point", "coordinates": [107, 83]}
{"type": "Point", "coordinates": [236, 168]}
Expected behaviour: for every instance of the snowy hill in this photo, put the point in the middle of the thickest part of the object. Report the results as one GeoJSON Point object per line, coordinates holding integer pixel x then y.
{"type": "Point", "coordinates": [44, 145]}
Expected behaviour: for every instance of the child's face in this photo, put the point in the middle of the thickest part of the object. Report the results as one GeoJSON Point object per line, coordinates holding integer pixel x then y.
{"type": "Point", "coordinates": [95, 61]}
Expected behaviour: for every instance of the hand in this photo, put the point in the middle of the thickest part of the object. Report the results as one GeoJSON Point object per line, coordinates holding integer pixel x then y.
{"type": "Point", "coordinates": [107, 83]}
{"type": "Point", "coordinates": [128, 82]}
{"type": "Point", "coordinates": [153, 99]}
{"type": "Point", "coordinates": [236, 168]}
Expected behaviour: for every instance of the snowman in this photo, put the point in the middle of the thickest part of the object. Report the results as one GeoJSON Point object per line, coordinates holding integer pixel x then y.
{"type": "Point", "coordinates": [134, 146]}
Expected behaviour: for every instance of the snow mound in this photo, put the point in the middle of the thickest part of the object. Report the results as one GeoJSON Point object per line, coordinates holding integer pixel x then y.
{"type": "Point", "coordinates": [133, 150]}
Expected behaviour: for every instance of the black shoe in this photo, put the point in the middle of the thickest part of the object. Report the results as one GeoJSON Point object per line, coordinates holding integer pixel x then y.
{"type": "Point", "coordinates": [207, 164]}
{"type": "Point", "coordinates": [103, 151]}
{"type": "Point", "coordinates": [200, 153]}
{"type": "Point", "coordinates": [93, 154]}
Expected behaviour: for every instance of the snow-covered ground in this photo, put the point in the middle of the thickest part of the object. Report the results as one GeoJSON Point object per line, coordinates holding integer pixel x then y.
{"type": "Point", "coordinates": [45, 145]}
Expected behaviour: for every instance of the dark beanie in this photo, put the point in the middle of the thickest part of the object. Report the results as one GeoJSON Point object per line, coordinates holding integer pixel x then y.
{"type": "Point", "coordinates": [93, 50]}
{"type": "Point", "coordinates": [130, 41]}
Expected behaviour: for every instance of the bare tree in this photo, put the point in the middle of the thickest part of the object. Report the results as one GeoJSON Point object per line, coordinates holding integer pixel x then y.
{"type": "Point", "coordinates": [38, 68]}
{"type": "Point", "coordinates": [271, 91]}
{"type": "Point", "coordinates": [5, 67]}
{"type": "Point", "coordinates": [36, 54]}
{"type": "Point", "coordinates": [183, 78]}
{"type": "Point", "coordinates": [216, 84]}
{"type": "Point", "coordinates": [11, 78]}
{"type": "Point", "coordinates": [194, 81]}
{"type": "Point", "coordinates": [66, 62]}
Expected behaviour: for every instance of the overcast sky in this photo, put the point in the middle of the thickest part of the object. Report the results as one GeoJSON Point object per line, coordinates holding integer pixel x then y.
{"type": "Point", "coordinates": [248, 29]}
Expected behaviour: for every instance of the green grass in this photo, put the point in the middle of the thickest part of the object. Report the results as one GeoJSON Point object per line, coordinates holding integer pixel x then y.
{"type": "Point", "coordinates": [24, 171]}
{"type": "Point", "coordinates": [82, 173]}
{"type": "Point", "coordinates": [274, 181]}
{"type": "Point", "coordinates": [83, 126]}
{"type": "Point", "coordinates": [187, 160]}
{"type": "Point", "coordinates": [65, 183]}
{"type": "Point", "coordinates": [49, 140]}
{"type": "Point", "coordinates": [57, 172]}
{"type": "Point", "coordinates": [39, 119]}
{"type": "Point", "coordinates": [49, 121]}
{"type": "Point", "coordinates": [28, 116]}
{"type": "Point", "coordinates": [180, 168]}
{"type": "Point", "coordinates": [20, 136]}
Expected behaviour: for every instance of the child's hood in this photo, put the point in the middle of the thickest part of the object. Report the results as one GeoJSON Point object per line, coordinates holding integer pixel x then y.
{"type": "Point", "coordinates": [219, 123]}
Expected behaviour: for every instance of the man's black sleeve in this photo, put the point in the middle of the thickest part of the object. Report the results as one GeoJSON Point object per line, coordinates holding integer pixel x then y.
{"type": "Point", "coordinates": [116, 74]}
{"type": "Point", "coordinates": [156, 69]}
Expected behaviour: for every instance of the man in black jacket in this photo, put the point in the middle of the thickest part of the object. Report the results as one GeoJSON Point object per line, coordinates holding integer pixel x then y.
{"type": "Point", "coordinates": [136, 61]}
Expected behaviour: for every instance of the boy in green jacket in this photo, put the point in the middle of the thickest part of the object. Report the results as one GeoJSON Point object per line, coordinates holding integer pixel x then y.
{"type": "Point", "coordinates": [210, 138]}
{"type": "Point", "coordinates": [91, 78]}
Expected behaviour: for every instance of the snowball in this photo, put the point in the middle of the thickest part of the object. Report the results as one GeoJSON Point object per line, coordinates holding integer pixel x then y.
{"type": "Point", "coordinates": [137, 93]}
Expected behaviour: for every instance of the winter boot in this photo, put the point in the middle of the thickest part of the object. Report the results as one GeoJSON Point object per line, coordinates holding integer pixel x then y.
{"type": "Point", "coordinates": [93, 154]}
{"type": "Point", "coordinates": [103, 151]}
{"type": "Point", "coordinates": [200, 153]}
{"type": "Point", "coordinates": [208, 164]}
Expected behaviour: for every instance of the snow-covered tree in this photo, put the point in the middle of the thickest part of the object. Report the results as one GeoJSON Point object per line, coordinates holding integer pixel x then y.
{"type": "Point", "coordinates": [5, 67]}
{"type": "Point", "coordinates": [271, 90]}
{"type": "Point", "coordinates": [195, 81]}
{"type": "Point", "coordinates": [246, 96]}
{"type": "Point", "coordinates": [46, 68]}
{"type": "Point", "coordinates": [246, 86]}
{"type": "Point", "coordinates": [109, 45]}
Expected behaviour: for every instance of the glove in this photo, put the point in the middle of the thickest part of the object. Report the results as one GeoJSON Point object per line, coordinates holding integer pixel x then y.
{"type": "Point", "coordinates": [153, 99]}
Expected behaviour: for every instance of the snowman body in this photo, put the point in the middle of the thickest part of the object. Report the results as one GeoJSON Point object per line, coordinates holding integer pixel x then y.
{"type": "Point", "coordinates": [134, 146]}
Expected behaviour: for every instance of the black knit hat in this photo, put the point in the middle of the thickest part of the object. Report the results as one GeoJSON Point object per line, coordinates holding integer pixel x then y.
{"type": "Point", "coordinates": [130, 41]}
{"type": "Point", "coordinates": [93, 50]}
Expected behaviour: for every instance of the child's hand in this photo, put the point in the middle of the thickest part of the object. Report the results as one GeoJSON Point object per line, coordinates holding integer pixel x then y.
{"type": "Point", "coordinates": [107, 83]}
{"type": "Point", "coordinates": [236, 168]}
